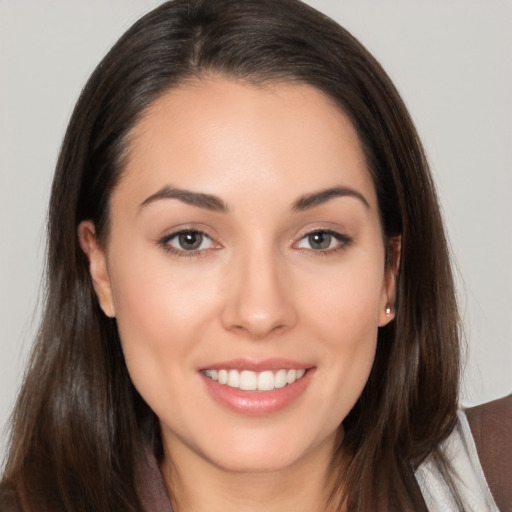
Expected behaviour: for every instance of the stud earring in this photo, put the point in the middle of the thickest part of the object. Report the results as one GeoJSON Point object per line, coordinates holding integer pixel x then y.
{"type": "Point", "coordinates": [388, 310]}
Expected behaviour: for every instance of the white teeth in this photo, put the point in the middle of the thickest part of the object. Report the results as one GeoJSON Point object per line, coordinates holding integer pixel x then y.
{"type": "Point", "coordinates": [248, 380]}
{"type": "Point", "coordinates": [252, 381]}
{"type": "Point", "coordinates": [265, 381]}
{"type": "Point", "coordinates": [280, 379]}
{"type": "Point", "coordinates": [223, 376]}
{"type": "Point", "coordinates": [233, 379]}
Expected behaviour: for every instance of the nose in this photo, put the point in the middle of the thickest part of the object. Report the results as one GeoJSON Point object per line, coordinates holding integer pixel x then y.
{"type": "Point", "coordinates": [259, 301]}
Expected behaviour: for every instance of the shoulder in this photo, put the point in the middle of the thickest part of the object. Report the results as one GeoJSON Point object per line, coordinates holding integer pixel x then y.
{"type": "Point", "coordinates": [496, 412]}
{"type": "Point", "coordinates": [491, 427]}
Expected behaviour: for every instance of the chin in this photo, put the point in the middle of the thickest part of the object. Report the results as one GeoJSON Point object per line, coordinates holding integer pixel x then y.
{"type": "Point", "coordinates": [243, 462]}
{"type": "Point", "coordinates": [274, 452]}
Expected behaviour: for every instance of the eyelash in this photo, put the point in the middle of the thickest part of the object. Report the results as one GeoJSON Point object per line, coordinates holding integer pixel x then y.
{"type": "Point", "coordinates": [344, 242]}
{"type": "Point", "coordinates": [165, 243]}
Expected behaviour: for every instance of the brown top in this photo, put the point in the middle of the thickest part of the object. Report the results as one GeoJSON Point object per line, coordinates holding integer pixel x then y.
{"type": "Point", "coordinates": [153, 493]}
{"type": "Point", "coordinates": [491, 426]}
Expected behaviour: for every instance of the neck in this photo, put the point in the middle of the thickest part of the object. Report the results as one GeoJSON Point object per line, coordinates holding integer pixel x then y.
{"type": "Point", "coordinates": [196, 485]}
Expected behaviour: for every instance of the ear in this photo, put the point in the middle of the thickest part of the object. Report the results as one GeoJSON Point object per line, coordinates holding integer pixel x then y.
{"type": "Point", "coordinates": [97, 266]}
{"type": "Point", "coordinates": [388, 296]}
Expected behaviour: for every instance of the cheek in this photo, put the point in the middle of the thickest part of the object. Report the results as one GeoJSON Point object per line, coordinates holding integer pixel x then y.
{"type": "Point", "coordinates": [155, 299]}
{"type": "Point", "coordinates": [343, 313]}
{"type": "Point", "coordinates": [157, 318]}
{"type": "Point", "coordinates": [345, 302]}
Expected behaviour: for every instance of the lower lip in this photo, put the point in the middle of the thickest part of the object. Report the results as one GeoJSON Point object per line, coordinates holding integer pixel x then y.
{"type": "Point", "coordinates": [254, 403]}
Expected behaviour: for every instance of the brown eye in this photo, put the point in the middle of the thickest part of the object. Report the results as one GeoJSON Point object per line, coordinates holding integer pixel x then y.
{"type": "Point", "coordinates": [190, 241]}
{"type": "Point", "coordinates": [325, 241]}
{"type": "Point", "coordinates": [320, 240]}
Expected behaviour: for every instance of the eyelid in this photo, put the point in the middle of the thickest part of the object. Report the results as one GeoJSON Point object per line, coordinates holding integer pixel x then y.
{"type": "Point", "coordinates": [344, 241]}
{"type": "Point", "coordinates": [164, 242]}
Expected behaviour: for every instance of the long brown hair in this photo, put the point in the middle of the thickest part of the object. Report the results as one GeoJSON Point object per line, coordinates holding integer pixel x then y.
{"type": "Point", "coordinates": [79, 427]}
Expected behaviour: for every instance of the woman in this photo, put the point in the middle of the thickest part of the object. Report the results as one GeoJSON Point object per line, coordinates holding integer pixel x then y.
{"type": "Point", "coordinates": [250, 304]}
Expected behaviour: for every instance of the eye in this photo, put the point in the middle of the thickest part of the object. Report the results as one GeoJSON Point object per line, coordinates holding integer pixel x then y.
{"type": "Point", "coordinates": [188, 241]}
{"type": "Point", "coordinates": [323, 241]}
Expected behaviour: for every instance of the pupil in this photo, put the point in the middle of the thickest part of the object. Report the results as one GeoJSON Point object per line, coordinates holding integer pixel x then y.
{"type": "Point", "coordinates": [190, 241]}
{"type": "Point", "coordinates": [320, 240]}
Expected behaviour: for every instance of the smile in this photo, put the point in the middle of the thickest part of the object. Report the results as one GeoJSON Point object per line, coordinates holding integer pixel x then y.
{"type": "Point", "coordinates": [247, 380]}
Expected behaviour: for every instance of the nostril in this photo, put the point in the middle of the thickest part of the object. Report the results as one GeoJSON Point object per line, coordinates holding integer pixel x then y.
{"type": "Point", "coordinates": [257, 330]}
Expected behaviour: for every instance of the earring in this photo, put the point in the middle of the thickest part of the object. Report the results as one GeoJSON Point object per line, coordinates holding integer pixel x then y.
{"type": "Point", "coordinates": [388, 310]}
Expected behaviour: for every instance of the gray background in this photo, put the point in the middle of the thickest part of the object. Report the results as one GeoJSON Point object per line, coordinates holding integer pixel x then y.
{"type": "Point", "coordinates": [452, 62]}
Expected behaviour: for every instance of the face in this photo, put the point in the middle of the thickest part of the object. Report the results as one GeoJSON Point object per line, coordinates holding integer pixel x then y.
{"type": "Point", "coordinates": [245, 267]}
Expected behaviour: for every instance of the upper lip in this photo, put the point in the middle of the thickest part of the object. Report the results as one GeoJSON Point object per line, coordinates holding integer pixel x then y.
{"type": "Point", "coordinates": [258, 365]}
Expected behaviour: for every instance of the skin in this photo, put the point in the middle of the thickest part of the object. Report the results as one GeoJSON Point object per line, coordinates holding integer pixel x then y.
{"type": "Point", "coordinates": [257, 288]}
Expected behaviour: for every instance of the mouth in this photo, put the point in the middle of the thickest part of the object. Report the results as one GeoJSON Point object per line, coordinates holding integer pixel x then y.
{"type": "Point", "coordinates": [247, 380]}
{"type": "Point", "coordinates": [256, 388]}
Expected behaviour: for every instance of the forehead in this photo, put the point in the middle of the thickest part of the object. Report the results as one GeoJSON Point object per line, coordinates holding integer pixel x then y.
{"type": "Point", "coordinates": [225, 136]}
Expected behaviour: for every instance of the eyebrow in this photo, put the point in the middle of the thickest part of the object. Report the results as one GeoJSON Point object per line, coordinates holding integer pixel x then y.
{"type": "Point", "coordinates": [317, 198]}
{"type": "Point", "coordinates": [214, 203]}
{"type": "Point", "coordinates": [199, 199]}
